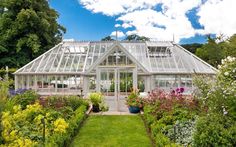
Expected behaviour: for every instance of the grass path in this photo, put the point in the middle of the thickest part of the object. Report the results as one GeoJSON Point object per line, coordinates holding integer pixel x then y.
{"type": "Point", "coordinates": [112, 131]}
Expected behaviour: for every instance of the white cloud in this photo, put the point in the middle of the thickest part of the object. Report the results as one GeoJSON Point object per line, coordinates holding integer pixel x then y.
{"type": "Point", "coordinates": [126, 25]}
{"type": "Point", "coordinates": [119, 34]}
{"type": "Point", "coordinates": [218, 17]}
{"type": "Point", "coordinates": [131, 32]}
{"type": "Point", "coordinates": [116, 7]}
{"type": "Point", "coordinates": [117, 25]}
{"type": "Point", "coordinates": [156, 25]}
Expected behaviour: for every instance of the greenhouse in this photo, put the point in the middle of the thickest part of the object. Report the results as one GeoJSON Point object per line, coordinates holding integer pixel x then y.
{"type": "Point", "coordinates": [111, 67]}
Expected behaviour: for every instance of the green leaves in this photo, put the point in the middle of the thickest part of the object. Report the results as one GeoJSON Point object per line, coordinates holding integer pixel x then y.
{"type": "Point", "coordinates": [31, 41]}
{"type": "Point", "coordinates": [28, 28]}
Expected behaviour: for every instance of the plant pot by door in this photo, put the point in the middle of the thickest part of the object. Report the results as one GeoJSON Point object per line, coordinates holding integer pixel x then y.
{"type": "Point", "coordinates": [96, 108]}
{"type": "Point", "coordinates": [134, 109]}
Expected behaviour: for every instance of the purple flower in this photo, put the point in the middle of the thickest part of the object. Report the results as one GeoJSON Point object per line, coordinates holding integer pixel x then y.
{"type": "Point", "coordinates": [179, 90]}
{"type": "Point", "coordinates": [13, 92]}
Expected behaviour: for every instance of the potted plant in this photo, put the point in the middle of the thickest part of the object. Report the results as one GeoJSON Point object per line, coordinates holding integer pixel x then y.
{"type": "Point", "coordinates": [97, 101]}
{"type": "Point", "coordinates": [134, 102]}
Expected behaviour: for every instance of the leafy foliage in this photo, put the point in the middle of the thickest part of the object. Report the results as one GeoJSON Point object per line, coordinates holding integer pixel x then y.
{"type": "Point", "coordinates": [107, 38]}
{"type": "Point", "coordinates": [217, 126]}
{"type": "Point", "coordinates": [24, 127]}
{"type": "Point", "coordinates": [27, 29]}
{"type": "Point", "coordinates": [26, 98]}
{"type": "Point", "coordinates": [135, 37]}
{"type": "Point", "coordinates": [62, 139]}
{"type": "Point", "coordinates": [57, 102]}
{"type": "Point", "coordinates": [97, 99]}
{"type": "Point", "coordinates": [171, 117]}
{"type": "Point", "coordinates": [4, 86]}
{"type": "Point", "coordinates": [215, 130]}
{"type": "Point", "coordinates": [192, 47]}
{"type": "Point", "coordinates": [216, 49]}
{"type": "Point", "coordinates": [212, 51]}
{"type": "Point", "coordinates": [134, 99]}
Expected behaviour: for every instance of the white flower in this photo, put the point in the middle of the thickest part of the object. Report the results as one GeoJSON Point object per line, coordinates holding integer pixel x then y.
{"type": "Point", "coordinates": [224, 111]}
{"type": "Point", "coordinates": [219, 66]}
{"type": "Point", "coordinates": [230, 59]}
{"type": "Point", "coordinates": [226, 73]}
{"type": "Point", "coordinates": [223, 61]}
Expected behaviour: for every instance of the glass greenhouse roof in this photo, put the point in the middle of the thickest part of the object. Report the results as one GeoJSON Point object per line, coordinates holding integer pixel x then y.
{"type": "Point", "coordinates": [72, 57]}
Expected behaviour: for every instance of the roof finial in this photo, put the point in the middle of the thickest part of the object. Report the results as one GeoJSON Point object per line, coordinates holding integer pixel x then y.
{"type": "Point", "coordinates": [116, 26]}
{"type": "Point", "coordinates": [173, 37]}
{"type": "Point", "coordinates": [116, 35]}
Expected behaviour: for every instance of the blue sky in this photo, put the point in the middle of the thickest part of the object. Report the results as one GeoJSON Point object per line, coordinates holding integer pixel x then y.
{"type": "Point", "coordinates": [86, 20]}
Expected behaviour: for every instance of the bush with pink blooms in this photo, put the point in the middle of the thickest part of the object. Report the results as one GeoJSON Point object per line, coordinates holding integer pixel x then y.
{"type": "Point", "coordinates": [171, 117]}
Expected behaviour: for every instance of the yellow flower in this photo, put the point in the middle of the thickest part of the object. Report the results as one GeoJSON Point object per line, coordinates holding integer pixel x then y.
{"type": "Point", "coordinates": [60, 125]}
{"type": "Point", "coordinates": [16, 108]}
{"type": "Point", "coordinates": [5, 114]}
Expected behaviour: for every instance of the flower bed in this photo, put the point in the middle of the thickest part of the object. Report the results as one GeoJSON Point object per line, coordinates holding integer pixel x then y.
{"type": "Point", "coordinates": [52, 121]}
{"type": "Point", "coordinates": [171, 117]}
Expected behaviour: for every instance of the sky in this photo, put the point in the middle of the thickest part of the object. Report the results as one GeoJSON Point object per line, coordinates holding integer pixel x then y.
{"type": "Point", "coordinates": [184, 21]}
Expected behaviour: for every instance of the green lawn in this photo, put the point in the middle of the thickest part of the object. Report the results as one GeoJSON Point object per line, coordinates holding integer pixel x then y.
{"type": "Point", "coordinates": [109, 131]}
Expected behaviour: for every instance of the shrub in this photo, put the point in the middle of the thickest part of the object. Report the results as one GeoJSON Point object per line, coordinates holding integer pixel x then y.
{"type": "Point", "coordinates": [134, 99]}
{"type": "Point", "coordinates": [74, 123]}
{"type": "Point", "coordinates": [161, 140]}
{"type": "Point", "coordinates": [13, 92]}
{"type": "Point", "coordinates": [55, 102]}
{"type": "Point", "coordinates": [171, 117]}
{"type": "Point", "coordinates": [21, 125]}
{"type": "Point", "coordinates": [75, 102]}
{"type": "Point", "coordinates": [28, 97]}
{"type": "Point", "coordinates": [97, 100]}
{"type": "Point", "coordinates": [182, 132]}
{"type": "Point", "coordinates": [62, 101]}
{"type": "Point", "coordinates": [215, 130]}
{"type": "Point", "coordinates": [217, 126]}
{"type": "Point", "coordinates": [4, 86]}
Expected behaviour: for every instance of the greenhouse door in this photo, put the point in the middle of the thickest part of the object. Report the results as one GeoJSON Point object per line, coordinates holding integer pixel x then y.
{"type": "Point", "coordinates": [124, 82]}
{"type": "Point", "coordinates": [115, 85]}
{"type": "Point", "coordinates": [117, 82]}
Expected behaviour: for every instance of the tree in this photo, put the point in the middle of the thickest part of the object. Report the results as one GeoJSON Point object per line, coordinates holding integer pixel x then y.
{"type": "Point", "coordinates": [135, 37]}
{"type": "Point", "coordinates": [107, 38]}
{"type": "Point", "coordinates": [212, 51]}
{"type": "Point", "coordinates": [27, 29]}
{"type": "Point", "coordinates": [230, 46]}
{"type": "Point", "coordinates": [192, 47]}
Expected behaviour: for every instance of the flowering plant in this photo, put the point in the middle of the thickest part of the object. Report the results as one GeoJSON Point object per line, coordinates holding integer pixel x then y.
{"type": "Point", "coordinates": [13, 92]}
{"type": "Point", "coordinates": [134, 99]}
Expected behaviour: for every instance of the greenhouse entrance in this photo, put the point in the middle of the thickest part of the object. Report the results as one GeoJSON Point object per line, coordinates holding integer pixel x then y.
{"type": "Point", "coordinates": [116, 84]}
